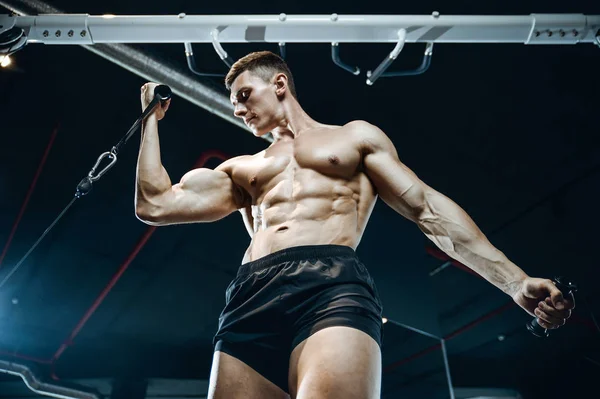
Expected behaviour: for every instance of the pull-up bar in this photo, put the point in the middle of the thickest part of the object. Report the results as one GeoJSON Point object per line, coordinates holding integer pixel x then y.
{"type": "Point", "coordinates": [83, 29]}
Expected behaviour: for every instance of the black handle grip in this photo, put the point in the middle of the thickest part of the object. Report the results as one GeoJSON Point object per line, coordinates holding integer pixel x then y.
{"type": "Point", "coordinates": [163, 92]}
{"type": "Point", "coordinates": [567, 288]}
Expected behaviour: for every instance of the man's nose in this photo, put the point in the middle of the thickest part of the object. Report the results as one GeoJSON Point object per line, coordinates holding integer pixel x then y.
{"type": "Point", "coordinates": [240, 111]}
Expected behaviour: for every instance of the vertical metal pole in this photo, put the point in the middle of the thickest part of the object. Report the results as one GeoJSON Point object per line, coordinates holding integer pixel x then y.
{"type": "Point", "coordinates": [447, 367]}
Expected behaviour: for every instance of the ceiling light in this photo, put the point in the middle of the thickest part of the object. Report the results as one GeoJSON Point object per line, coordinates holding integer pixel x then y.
{"type": "Point", "coordinates": [4, 61]}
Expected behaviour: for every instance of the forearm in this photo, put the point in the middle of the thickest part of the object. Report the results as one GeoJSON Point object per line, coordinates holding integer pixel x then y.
{"type": "Point", "coordinates": [151, 177]}
{"type": "Point", "coordinates": [454, 232]}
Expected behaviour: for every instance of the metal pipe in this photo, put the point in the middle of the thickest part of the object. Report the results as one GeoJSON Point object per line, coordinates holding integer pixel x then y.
{"type": "Point", "coordinates": [214, 34]}
{"type": "Point", "coordinates": [43, 388]}
{"type": "Point", "coordinates": [335, 56]}
{"type": "Point", "coordinates": [191, 61]}
{"type": "Point", "coordinates": [418, 71]}
{"type": "Point", "coordinates": [373, 76]}
{"type": "Point", "coordinates": [146, 66]}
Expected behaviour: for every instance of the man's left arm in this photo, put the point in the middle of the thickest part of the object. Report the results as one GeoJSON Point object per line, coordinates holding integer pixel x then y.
{"type": "Point", "coordinates": [452, 230]}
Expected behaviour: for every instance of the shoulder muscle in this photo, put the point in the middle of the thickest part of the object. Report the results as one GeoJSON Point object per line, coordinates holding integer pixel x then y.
{"type": "Point", "coordinates": [370, 139]}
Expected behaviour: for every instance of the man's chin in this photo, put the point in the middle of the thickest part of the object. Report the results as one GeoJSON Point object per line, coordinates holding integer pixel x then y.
{"type": "Point", "coordinates": [259, 133]}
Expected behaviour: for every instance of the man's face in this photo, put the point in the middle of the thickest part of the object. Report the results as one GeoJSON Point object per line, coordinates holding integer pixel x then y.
{"type": "Point", "coordinates": [255, 101]}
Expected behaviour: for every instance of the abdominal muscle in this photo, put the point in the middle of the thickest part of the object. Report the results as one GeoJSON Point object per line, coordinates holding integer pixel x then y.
{"type": "Point", "coordinates": [305, 222]}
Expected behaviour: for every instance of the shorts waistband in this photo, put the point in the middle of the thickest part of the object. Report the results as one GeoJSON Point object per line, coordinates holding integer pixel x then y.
{"type": "Point", "coordinates": [295, 254]}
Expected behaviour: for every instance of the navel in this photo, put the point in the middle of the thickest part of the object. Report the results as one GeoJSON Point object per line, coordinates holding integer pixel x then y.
{"type": "Point", "coordinates": [253, 181]}
{"type": "Point", "coordinates": [334, 159]}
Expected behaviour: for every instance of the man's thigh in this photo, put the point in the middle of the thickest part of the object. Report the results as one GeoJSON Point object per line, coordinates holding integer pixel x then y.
{"type": "Point", "coordinates": [230, 378]}
{"type": "Point", "coordinates": [336, 362]}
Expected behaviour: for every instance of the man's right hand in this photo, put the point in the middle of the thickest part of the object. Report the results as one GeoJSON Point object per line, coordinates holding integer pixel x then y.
{"type": "Point", "coordinates": [148, 95]}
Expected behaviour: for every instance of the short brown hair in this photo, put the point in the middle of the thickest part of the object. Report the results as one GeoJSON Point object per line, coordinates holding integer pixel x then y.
{"type": "Point", "coordinates": [263, 64]}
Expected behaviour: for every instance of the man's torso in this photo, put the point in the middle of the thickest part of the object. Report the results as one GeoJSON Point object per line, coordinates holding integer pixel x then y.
{"type": "Point", "coordinates": [310, 190]}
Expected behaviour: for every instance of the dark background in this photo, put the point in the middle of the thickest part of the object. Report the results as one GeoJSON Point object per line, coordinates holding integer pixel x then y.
{"type": "Point", "coordinates": [510, 132]}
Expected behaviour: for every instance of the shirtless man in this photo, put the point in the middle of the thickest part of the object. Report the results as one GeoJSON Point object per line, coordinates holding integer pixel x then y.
{"type": "Point", "coordinates": [303, 317]}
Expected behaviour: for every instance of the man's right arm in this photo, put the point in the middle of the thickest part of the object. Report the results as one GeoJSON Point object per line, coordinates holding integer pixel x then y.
{"type": "Point", "coordinates": [202, 195]}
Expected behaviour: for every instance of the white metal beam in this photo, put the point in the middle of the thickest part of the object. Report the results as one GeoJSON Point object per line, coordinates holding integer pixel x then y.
{"type": "Point", "coordinates": [435, 28]}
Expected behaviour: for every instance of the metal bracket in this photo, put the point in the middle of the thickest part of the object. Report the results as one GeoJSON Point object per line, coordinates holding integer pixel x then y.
{"type": "Point", "coordinates": [214, 34]}
{"type": "Point", "coordinates": [335, 56]}
{"type": "Point", "coordinates": [58, 29]}
{"type": "Point", "coordinates": [373, 76]}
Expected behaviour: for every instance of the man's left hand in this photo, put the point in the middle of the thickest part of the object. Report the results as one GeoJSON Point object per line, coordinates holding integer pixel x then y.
{"type": "Point", "coordinates": [540, 298]}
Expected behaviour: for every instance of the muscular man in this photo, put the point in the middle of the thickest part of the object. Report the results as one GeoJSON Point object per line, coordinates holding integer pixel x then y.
{"type": "Point", "coordinates": [303, 316]}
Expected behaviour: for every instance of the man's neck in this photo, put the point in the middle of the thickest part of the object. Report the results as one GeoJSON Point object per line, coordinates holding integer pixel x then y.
{"type": "Point", "coordinates": [294, 122]}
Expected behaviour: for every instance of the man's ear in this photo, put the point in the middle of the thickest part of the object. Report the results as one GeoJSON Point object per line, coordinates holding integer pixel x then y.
{"type": "Point", "coordinates": [281, 84]}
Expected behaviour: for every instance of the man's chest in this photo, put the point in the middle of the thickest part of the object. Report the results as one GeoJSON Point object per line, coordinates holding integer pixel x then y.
{"type": "Point", "coordinates": [313, 158]}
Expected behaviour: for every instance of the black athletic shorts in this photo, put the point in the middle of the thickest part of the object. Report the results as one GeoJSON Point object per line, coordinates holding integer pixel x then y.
{"type": "Point", "coordinates": [279, 300]}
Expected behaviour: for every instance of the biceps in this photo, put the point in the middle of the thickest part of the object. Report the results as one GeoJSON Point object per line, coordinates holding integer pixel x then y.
{"type": "Point", "coordinates": [397, 185]}
{"type": "Point", "coordinates": [203, 195]}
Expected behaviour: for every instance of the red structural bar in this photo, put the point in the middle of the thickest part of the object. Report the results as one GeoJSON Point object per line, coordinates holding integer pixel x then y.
{"type": "Point", "coordinates": [468, 326]}
{"type": "Point", "coordinates": [38, 172]}
{"type": "Point", "coordinates": [69, 340]}
{"type": "Point", "coordinates": [483, 318]}
{"type": "Point", "coordinates": [461, 330]}
{"type": "Point", "coordinates": [439, 254]}
{"type": "Point", "coordinates": [204, 157]}
{"type": "Point", "coordinates": [408, 359]}
{"type": "Point", "coordinates": [25, 357]}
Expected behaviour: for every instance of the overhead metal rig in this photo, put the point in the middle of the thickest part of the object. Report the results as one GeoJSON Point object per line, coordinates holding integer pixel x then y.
{"type": "Point", "coordinates": [83, 29]}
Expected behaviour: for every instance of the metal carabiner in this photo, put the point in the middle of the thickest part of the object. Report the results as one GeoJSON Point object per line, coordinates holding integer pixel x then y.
{"type": "Point", "coordinates": [107, 154]}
